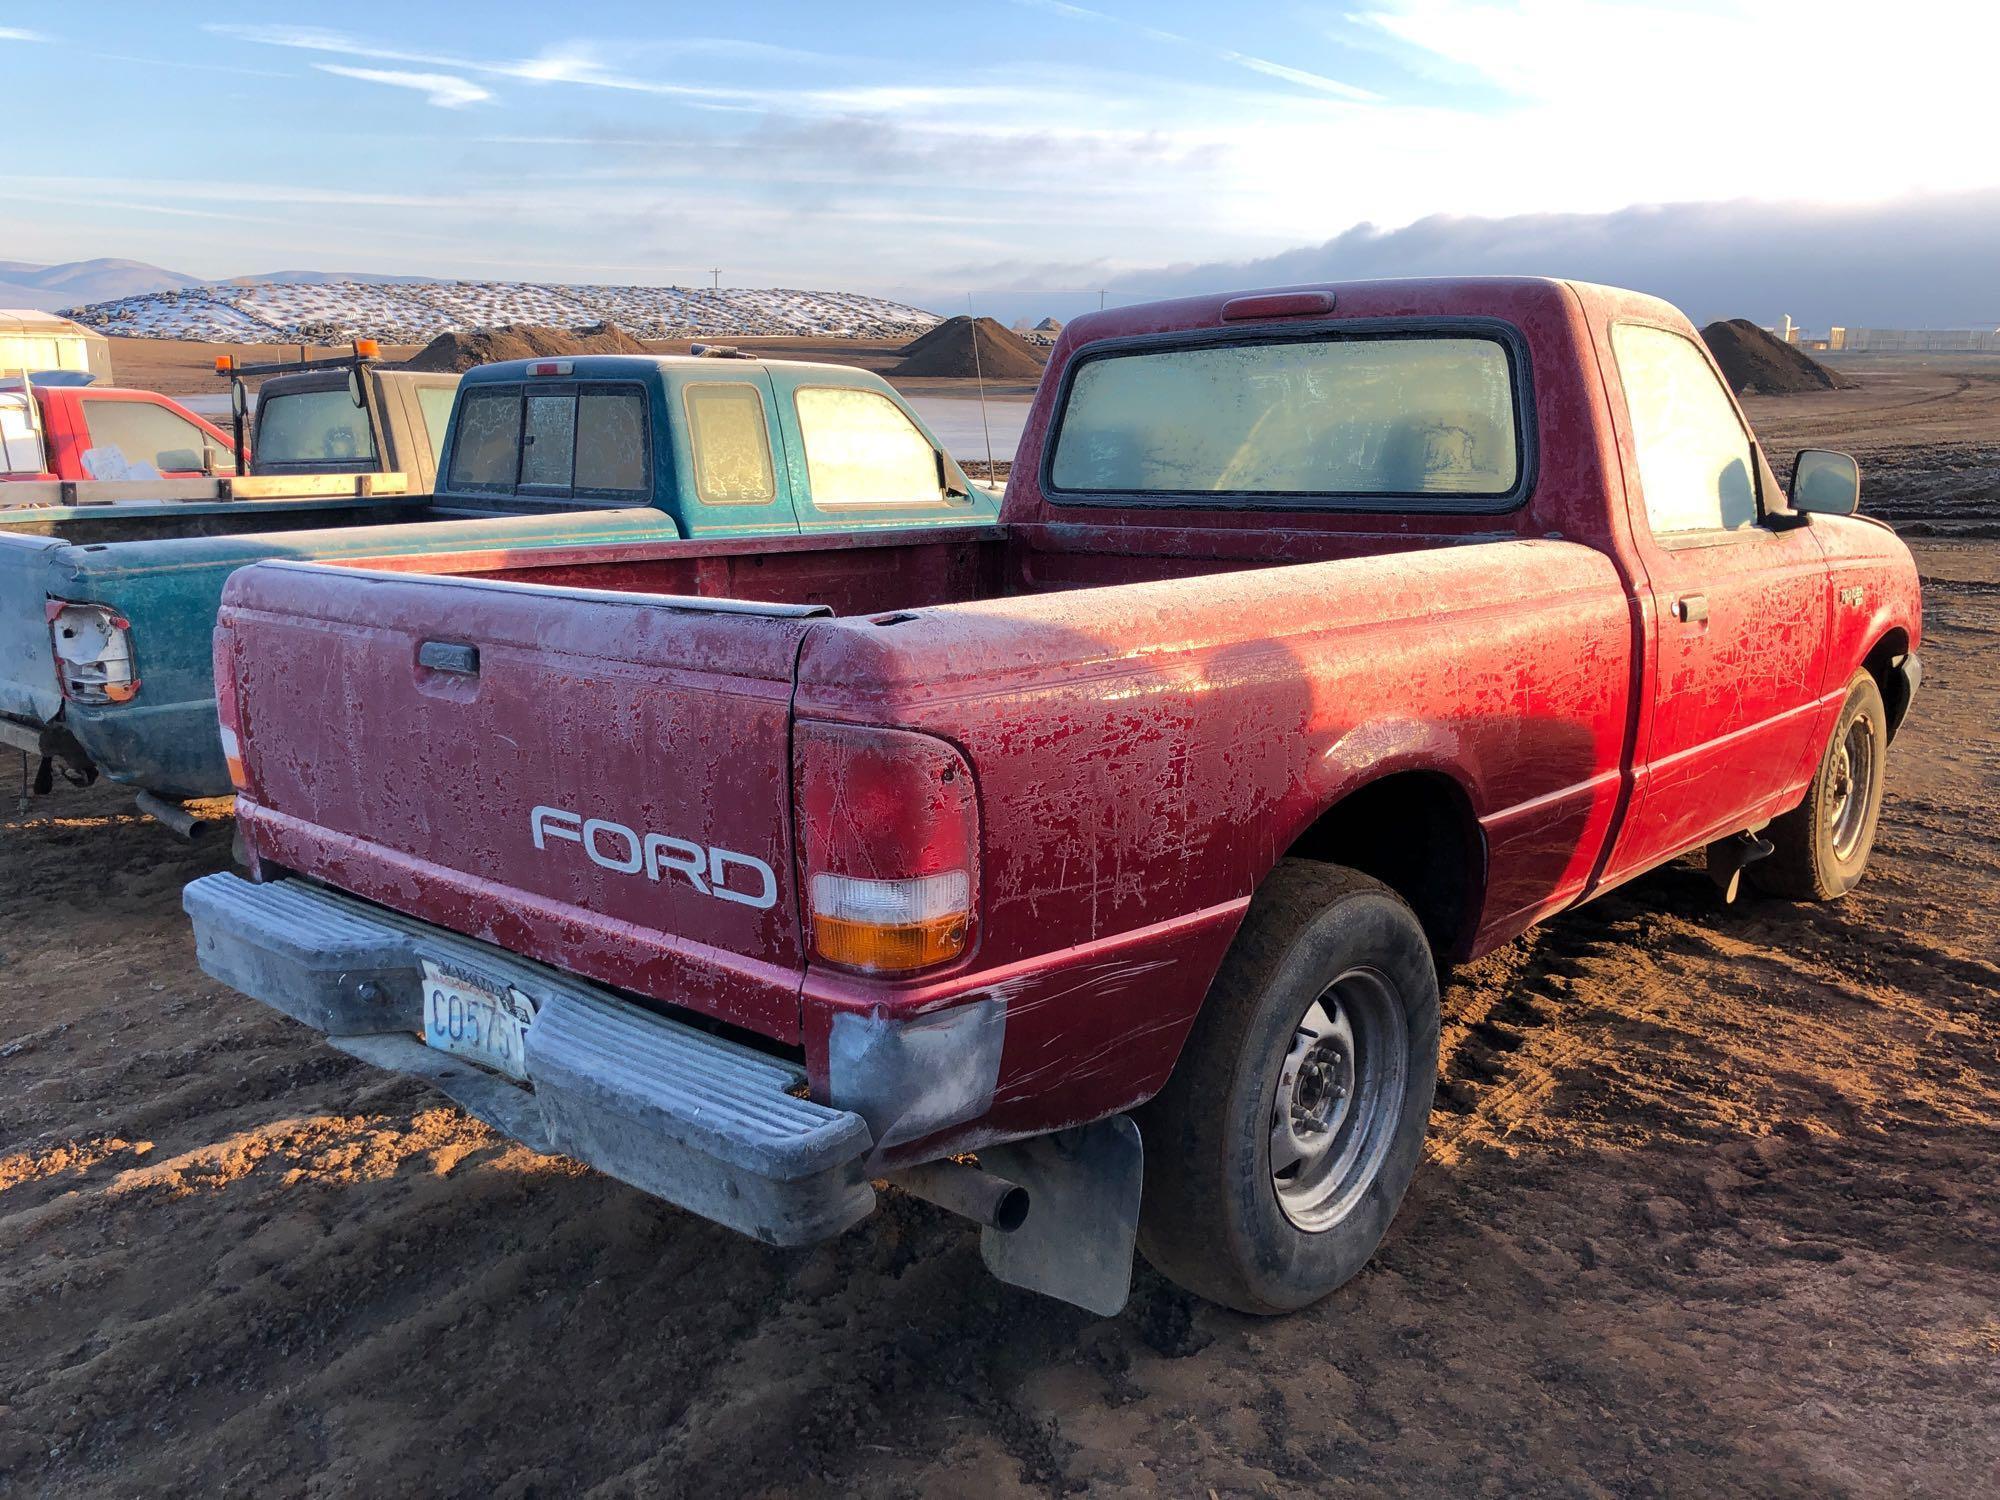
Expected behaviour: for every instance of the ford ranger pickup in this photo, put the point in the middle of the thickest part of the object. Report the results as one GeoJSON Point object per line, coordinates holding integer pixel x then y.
{"type": "Point", "coordinates": [106, 612]}
{"type": "Point", "coordinates": [1330, 635]}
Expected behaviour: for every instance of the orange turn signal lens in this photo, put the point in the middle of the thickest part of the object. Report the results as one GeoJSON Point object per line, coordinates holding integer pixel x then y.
{"type": "Point", "coordinates": [891, 926]}
{"type": "Point", "coordinates": [889, 949]}
{"type": "Point", "coordinates": [232, 756]}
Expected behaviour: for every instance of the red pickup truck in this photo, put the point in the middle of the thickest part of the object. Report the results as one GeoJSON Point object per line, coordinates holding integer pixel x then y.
{"type": "Point", "coordinates": [1330, 635]}
{"type": "Point", "coordinates": [72, 432]}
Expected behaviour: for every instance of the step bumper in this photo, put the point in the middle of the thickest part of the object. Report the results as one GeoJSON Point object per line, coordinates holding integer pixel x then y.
{"type": "Point", "coordinates": [701, 1121]}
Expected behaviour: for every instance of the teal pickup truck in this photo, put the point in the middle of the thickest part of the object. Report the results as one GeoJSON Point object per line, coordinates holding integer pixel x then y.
{"type": "Point", "coordinates": [105, 617]}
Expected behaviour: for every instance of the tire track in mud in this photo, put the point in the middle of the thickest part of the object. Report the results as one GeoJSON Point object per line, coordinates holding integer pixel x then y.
{"type": "Point", "coordinates": [1516, 1025]}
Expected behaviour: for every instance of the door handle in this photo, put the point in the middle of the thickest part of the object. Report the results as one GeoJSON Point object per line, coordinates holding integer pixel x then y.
{"type": "Point", "coordinates": [1691, 609]}
{"type": "Point", "coordinates": [449, 656]}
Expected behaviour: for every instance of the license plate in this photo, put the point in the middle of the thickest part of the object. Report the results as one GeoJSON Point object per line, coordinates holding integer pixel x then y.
{"type": "Point", "coordinates": [476, 1018]}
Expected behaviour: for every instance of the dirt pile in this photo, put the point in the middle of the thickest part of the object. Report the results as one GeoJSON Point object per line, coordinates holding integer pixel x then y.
{"type": "Point", "coordinates": [962, 347]}
{"type": "Point", "coordinates": [1755, 361]}
{"type": "Point", "coordinates": [462, 350]}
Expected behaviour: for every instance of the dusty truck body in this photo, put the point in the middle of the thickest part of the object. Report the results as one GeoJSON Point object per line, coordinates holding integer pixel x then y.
{"type": "Point", "coordinates": [1330, 635]}
{"type": "Point", "coordinates": [106, 613]}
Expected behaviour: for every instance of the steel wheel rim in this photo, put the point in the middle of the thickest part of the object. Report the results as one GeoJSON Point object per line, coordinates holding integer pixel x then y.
{"type": "Point", "coordinates": [1853, 780]}
{"type": "Point", "coordinates": [1338, 1099]}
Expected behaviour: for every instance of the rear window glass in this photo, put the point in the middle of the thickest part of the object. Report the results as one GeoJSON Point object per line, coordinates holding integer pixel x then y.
{"type": "Point", "coordinates": [551, 442]}
{"type": "Point", "coordinates": [611, 441]}
{"type": "Point", "coordinates": [548, 440]}
{"type": "Point", "coordinates": [488, 444]}
{"type": "Point", "coordinates": [1416, 416]}
{"type": "Point", "coordinates": [313, 427]}
{"type": "Point", "coordinates": [732, 444]}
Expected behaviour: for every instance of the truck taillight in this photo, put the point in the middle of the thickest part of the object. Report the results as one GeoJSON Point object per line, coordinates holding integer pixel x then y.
{"type": "Point", "coordinates": [93, 652]}
{"type": "Point", "coordinates": [889, 828]}
{"type": "Point", "coordinates": [228, 714]}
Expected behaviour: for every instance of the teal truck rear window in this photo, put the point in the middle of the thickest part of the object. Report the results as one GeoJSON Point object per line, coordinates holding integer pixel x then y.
{"type": "Point", "coordinates": [1415, 416]}
{"type": "Point", "coordinates": [566, 441]}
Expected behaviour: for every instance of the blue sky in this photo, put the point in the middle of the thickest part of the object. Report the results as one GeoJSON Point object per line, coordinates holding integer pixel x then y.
{"type": "Point", "coordinates": [935, 150]}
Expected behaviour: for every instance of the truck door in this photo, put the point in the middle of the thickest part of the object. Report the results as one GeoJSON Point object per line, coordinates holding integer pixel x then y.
{"type": "Point", "coordinates": [134, 435]}
{"type": "Point", "coordinates": [1738, 607]}
{"type": "Point", "coordinates": [860, 460]}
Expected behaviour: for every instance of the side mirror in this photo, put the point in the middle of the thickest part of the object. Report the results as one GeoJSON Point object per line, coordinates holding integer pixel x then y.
{"type": "Point", "coordinates": [951, 479]}
{"type": "Point", "coordinates": [1825, 483]}
{"type": "Point", "coordinates": [178, 461]}
{"type": "Point", "coordinates": [239, 400]}
{"type": "Point", "coordinates": [354, 391]}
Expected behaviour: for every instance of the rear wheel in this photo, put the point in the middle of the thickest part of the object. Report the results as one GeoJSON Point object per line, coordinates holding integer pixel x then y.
{"type": "Point", "coordinates": [1822, 845]}
{"type": "Point", "coordinates": [1278, 1152]}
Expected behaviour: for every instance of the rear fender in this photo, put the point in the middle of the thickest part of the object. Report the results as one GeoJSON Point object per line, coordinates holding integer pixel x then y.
{"type": "Point", "coordinates": [1423, 761]}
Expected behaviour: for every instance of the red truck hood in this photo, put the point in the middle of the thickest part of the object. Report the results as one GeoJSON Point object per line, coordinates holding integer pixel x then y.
{"type": "Point", "coordinates": [609, 789]}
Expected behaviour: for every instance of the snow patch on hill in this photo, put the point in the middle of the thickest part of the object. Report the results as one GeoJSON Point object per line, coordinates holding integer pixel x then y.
{"type": "Point", "coordinates": [413, 312]}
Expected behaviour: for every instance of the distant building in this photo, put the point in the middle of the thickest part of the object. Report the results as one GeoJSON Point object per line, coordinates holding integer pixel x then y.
{"type": "Point", "coordinates": [1921, 340]}
{"type": "Point", "coordinates": [36, 341]}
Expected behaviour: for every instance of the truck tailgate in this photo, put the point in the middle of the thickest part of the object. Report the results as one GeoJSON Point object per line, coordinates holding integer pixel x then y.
{"type": "Point", "coordinates": [28, 687]}
{"type": "Point", "coordinates": [598, 780]}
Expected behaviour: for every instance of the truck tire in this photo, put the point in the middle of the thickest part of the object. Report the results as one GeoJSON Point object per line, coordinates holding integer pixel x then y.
{"type": "Point", "coordinates": [1823, 844]}
{"type": "Point", "coordinates": [1318, 1041]}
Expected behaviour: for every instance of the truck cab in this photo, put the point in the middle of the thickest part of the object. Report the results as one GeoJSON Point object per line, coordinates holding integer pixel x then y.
{"type": "Point", "coordinates": [726, 447]}
{"type": "Point", "coordinates": [85, 432]}
{"type": "Point", "coordinates": [366, 420]}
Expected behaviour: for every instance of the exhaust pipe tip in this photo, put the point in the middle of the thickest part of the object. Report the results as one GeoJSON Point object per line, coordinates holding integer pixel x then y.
{"type": "Point", "coordinates": [972, 1192]}
{"type": "Point", "coordinates": [175, 818]}
{"type": "Point", "coordinates": [1010, 1212]}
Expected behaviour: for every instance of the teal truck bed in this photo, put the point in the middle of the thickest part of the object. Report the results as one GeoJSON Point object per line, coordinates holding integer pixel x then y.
{"type": "Point", "coordinates": [105, 615]}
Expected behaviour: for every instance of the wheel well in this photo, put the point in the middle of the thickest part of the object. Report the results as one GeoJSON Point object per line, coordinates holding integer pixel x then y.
{"type": "Point", "coordinates": [1881, 663]}
{"type": "Point", "coordinates": [1415, 832]}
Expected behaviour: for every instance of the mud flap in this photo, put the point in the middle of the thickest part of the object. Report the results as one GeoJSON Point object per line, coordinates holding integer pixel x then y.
{"type": "Point", "coordinates": [1083, 1218]}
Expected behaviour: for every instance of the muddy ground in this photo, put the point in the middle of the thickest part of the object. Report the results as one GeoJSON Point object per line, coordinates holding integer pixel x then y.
{"type": "Point", "coordinates": [1712, 1206]}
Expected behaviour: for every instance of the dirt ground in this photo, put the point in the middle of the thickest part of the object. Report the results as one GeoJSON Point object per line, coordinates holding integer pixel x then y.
{"type": "Point", "coordinates": [1712, 1205]}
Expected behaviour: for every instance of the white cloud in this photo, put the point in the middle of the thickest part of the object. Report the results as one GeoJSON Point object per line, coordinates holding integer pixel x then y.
{"type": "Point", "coordinates": [445, 90]}
{"type": "Point", "coordinates": [577, 63]}
{"type": "Point", "coordinates": [22, 34]}
{"type": "Point", "coordinates": [1284, 71]}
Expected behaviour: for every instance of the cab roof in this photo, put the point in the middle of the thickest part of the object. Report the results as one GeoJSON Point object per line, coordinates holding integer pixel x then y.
{"type": "Point", "coordinates": [674, 368]}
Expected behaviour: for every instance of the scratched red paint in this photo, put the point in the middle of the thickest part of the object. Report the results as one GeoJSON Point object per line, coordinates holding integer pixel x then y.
{"type": "Point", "coordinates": [1156, 705]}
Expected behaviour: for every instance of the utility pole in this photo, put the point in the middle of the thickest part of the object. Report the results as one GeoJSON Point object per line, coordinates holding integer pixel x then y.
{"type": "Point", "coordinates": [715, 278]}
